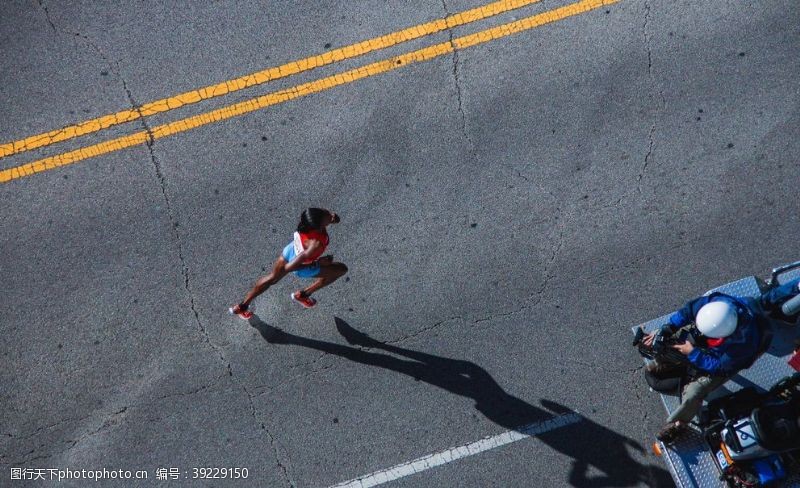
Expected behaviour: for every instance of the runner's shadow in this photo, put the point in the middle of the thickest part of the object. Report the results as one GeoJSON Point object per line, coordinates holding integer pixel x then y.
{"type": "Point", "coordinates": [600, 456]}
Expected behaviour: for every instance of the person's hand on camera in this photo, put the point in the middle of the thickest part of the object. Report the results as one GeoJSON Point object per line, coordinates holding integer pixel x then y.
{"type": "Point", "coordinates": [648, 339]}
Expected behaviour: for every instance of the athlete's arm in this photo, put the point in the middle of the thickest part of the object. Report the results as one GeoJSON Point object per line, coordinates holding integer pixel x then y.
{"type": "Point", "coordinates": [297, 262]}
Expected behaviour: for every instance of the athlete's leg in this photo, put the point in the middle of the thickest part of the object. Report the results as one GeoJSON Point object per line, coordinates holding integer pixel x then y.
{"type": "Point", "coordinates": [328, 273]}
{"type": "Point", "coordinates": [266, 281]}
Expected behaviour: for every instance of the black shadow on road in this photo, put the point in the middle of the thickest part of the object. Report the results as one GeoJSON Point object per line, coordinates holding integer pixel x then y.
{"type": "Point", "coordinates": [589, 444]}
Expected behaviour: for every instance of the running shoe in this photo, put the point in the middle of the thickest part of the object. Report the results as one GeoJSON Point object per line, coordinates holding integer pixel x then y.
{"type": "Point", "coordinates": [303, 300]}
{"type": "Point", "coordinates": [240, 311]}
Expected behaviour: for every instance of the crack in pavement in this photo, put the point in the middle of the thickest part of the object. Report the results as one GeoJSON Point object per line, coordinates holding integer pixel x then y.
{"type": "Point", "coordinates": [423, 330]}
{"type": "Point", "coordinates": [660, 91]}
{"type": "Point", "coordinates": [174, 223]}
{"type": "Point", "coordinates": [38, 430]}
{"type": "Point", "coordinates": [456, 79]}
{"type": "Point", "coordinates": [111, 421]}
{"type": "Point", "coordinates": [272, 441]}
{"type": "Point", "coordinates": [548, 274]}
{"type": "Point", "coordinates": [105, 425]}
{"type": "Point", "coordinates": [308, 363]}
{"type": "Point", "coordinates": [269, 388]}
{"type": "Point", "coordinates": [295, 366]}
{"type": "Point", "coordinates": [459, 96]}
{"type": "Point", "coordinates": [112, 67]}
{"type": "Point", "coordinates": [47, 15]}
{"type": "Point", "coordinates": [539, 293]}
{"type": "Point", "coordinates": [187, 286]}
{"type": "Point", "coordinates": [185, 272]}
{"type": "Point", "coordinates": [193, 391]}
{"type": "Point", "coordinates": [89, 42]}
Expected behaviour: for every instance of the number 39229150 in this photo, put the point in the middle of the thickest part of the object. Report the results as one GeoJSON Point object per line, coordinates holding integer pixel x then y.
{"type": "Point", "coordinates": [220, 473]}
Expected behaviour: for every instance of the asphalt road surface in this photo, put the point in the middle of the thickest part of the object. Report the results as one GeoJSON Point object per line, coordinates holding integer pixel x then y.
{"type": "Point", "coordinates": [512, 203]}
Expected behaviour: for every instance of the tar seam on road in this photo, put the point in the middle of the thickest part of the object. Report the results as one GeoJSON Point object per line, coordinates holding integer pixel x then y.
{"type": "Point", "coordinates": [260, 77]}
{"type": "Point", "coordinates": [301, 90]}
{"type": "Point", "coordinates": [450, 455]}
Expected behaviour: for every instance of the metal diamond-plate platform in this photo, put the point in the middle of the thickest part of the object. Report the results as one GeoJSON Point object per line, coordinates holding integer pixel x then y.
{"type": "Point", "coordinates": [689, 460]}
{"type": "Point", "coordinates": [789, 275]}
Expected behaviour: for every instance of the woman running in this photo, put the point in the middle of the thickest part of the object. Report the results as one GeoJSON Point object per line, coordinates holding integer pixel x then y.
{"type": "Point", "coordinates": [301, 256]}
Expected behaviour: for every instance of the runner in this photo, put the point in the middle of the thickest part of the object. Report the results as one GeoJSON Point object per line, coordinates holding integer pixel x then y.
{"type": "Point", "coordinates": [302, 257]}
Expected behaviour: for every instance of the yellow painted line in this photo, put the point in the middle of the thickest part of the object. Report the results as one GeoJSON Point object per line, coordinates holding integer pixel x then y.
{"type": "Point", "coordinates": [303, 89]}
{"type": "Point", "coordinates": [253, 79]}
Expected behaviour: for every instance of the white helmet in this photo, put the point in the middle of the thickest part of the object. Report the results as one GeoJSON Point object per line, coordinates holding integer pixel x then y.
{"type": "Point", "coordinates": [716, 319]}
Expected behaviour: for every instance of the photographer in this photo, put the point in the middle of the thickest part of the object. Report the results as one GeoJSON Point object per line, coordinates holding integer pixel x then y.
{"type": "Point", "coordinates": [726, 341]}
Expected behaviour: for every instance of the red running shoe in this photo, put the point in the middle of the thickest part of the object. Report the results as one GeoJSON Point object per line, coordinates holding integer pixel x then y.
{"type": "Point", "coordinates": [303, 300]}
{"type": "Point", "coordinates": [241, 311]}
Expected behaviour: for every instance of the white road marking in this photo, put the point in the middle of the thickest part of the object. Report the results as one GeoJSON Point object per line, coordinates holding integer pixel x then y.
{"type": "Point", "coordinates": [450, 455]}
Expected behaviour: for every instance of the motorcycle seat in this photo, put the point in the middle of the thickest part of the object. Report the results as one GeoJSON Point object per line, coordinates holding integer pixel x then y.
{"type": "Point", "coordinates": [776, 426]}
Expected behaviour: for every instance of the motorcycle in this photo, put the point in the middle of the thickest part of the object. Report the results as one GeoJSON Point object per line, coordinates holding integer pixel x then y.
{"type": "Point", "coordinates": [754, 437]}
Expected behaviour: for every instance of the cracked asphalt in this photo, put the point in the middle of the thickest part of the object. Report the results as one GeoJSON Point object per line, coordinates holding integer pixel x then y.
{"type": "Point", "coordinates": [508, 213]}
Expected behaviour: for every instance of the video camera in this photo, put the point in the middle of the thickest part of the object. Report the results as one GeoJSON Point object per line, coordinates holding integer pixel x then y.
{"type": "Point", "coordinates": [661, 348]}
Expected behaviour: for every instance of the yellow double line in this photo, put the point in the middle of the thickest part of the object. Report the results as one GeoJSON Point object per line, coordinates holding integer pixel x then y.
{"type": "Point", "coordinates": [281, 96]}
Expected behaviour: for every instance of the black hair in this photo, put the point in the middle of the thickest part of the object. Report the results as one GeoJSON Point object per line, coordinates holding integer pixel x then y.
{"type": "Point", "coordinates": [311, 219]}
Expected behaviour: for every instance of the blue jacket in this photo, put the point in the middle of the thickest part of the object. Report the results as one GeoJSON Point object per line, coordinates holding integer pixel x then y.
{"type": "Point", "coordinates": [737, 351]}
